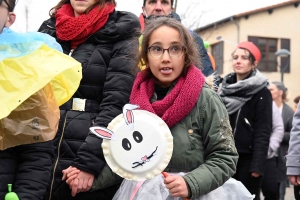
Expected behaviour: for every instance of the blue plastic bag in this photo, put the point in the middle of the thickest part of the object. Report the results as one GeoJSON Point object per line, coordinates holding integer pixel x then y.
{"type": "Point", "coordinates": [13, 44]}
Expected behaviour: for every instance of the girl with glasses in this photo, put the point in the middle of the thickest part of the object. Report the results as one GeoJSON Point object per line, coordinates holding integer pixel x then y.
{"type": "Point", "coordinates": [175, 90]}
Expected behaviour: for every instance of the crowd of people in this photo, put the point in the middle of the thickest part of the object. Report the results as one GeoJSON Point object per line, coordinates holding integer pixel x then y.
{"type": "Point", "coordinates": [244, 131]}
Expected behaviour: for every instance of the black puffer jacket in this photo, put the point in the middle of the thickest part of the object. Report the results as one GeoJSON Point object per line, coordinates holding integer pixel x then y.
{"type": "Point", "coordinates": [252, 127]}
{"type": "Point", "coordinates": [108, 61]}
{"type": "Point", "coordinates": [28, 168]}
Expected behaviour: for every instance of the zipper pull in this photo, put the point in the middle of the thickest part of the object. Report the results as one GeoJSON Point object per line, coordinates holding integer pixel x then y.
{"type": "Point", "coordinates": [71, 52]}
{"type": "Point", "coordinates": [247, 122]}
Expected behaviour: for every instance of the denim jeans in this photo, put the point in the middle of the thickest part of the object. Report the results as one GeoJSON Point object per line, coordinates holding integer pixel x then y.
{"type": "Point", "coordinates": [282, 189]}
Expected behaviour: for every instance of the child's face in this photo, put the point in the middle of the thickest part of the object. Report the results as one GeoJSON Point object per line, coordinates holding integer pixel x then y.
{"type": "Point", "coordinates": [166, 65]}
{"type": "Point", "coordinates": [6, 18]}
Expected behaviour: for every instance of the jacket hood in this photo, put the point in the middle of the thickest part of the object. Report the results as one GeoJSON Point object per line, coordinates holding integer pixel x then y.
{"type": "Point", "coordinates": [119, 26]}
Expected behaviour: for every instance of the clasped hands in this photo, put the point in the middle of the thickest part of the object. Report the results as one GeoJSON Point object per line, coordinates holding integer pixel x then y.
{"type": "Point", "coordinates": [79, 181]}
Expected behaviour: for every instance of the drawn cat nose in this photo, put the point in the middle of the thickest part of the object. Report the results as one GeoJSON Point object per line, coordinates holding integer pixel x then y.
{"type": "Point", "coordinates": [144, 158]}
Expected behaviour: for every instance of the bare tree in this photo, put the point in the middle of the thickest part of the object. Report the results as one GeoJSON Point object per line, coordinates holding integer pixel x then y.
{"type": "Point", "coordinates": [191, 16]}
{"type": "Point", "coordinates": [27, 6]}
{"type": "Point", "coordinates": [139, 2]}
{"type": "Point", "coordinates": [23, 14]}
{"type": "Point", "coordinates": [175, 5]}
{"type": "Point", "coordinates": [26, 17]}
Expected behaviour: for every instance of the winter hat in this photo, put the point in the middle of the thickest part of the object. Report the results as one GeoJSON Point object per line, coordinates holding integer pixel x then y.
{"type": "Point", "coordinates": [252, 48]}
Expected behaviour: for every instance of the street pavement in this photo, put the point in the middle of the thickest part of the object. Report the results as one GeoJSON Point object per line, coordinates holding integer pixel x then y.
{"type": "Point", "coordinates": [289, 193]}
{"type": "Point", "coordinates": [288, 196]}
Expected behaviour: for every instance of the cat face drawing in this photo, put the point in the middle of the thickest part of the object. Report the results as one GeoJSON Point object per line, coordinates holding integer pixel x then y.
{"type": "Point", "coordinates": [137, 144]}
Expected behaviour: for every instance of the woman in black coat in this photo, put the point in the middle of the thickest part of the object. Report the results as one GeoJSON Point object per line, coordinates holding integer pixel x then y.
{"type": "Point", "coordinates": [105, 42]}
{"type": "Point", "coordinates": [249, 105]}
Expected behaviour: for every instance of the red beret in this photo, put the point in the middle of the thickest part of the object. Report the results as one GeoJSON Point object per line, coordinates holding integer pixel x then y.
{"type": "Point", "coordinates": [251, 48]}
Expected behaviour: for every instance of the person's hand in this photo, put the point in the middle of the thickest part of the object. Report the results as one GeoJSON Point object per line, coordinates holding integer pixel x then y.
{"type": "Point", "coordinates": [70, 173]}
{"type": "Point", "coordinates": [82, 183]}
{"type": "Point", "coordinates": [177, 186]}
{"type": "Point", "coordinates": [294, 179]}
{"type": "Point", "coordinates": [255, 174]}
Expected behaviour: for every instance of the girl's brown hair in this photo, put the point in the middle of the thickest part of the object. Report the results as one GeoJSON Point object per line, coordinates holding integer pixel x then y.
{"type": "Point", "coordinates": [191, 56]}
{"type": "Point", "coordinates": [99, 3]}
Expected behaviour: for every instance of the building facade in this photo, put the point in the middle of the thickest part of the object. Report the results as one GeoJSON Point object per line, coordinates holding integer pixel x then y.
{"type": "Point", "coordinates": [271, 28]}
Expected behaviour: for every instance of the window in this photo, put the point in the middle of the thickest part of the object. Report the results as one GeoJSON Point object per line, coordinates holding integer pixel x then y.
{"type": "Point", "coordinates": [217, 53]}
{"type": "Point", "coordinates": [268, 48]}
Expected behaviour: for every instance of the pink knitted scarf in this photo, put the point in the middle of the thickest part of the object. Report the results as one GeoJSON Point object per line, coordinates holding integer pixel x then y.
{"type": "Point", "coordinates": [177, 104]}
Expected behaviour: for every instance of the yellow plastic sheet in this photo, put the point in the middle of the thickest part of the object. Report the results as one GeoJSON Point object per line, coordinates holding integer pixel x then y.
{"type": "Point", "coordinates": [23, 76]}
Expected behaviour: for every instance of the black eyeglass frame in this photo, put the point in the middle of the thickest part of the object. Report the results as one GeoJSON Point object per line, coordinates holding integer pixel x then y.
{"type": "Point", "coordinates": [8, 6]}
{"type": "Point", "coordinates": [183, 50]}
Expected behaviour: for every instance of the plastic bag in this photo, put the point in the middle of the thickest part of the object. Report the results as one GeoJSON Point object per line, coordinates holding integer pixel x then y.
{"type": "Point", "coordinates": [27, 64]}
{"type": "Point", "coordinates": [35, 120]}
{"type": "Point", "coordinates": [155, 189]}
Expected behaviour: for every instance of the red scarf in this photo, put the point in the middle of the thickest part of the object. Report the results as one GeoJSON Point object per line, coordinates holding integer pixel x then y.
{"type": "Point", "coordinates": [177, 104]}
{"type": "Point", "coordinates": [78, 29]}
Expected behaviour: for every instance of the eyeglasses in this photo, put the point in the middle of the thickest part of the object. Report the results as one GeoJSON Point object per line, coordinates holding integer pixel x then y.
{"type": "Point", "coordinates": [6, 4]}
{"type": "Point", "coordinates": [174, 51]}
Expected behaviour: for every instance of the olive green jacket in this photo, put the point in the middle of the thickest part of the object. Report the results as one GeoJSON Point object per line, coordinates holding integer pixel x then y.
{"type": "Point", "coordinates": [203, 147]}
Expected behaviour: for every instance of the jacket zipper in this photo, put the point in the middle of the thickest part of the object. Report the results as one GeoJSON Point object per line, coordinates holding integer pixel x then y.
{"type": "Point", "coordinates": [236, 121]}
{"type": "Point", "coordinates": [50, 26]}
{"type": "Point", "coordinates": [58, 152]}
{"type": "Point", "coordinates": [71, 52]}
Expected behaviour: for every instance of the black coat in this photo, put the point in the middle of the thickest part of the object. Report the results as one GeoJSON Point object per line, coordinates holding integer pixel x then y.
{"type": "Point", "coordinates": [108, 58]}
{"type": "Point", "coordinates": [28, 168]}
{"type": "Point", "coordinates": [252, 127]}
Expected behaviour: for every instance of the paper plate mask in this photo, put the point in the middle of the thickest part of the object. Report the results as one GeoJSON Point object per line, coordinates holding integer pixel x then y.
{"type": "Point", "coordinates": [137, 145]}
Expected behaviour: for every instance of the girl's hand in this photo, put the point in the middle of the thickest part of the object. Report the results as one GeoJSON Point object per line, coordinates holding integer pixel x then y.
{"type": "Point", "coordinates": [177, 186]}
{"type": "Point", "coordinates": [82, 183]}
{"type": "Point", "coordinates": [69, 173]}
